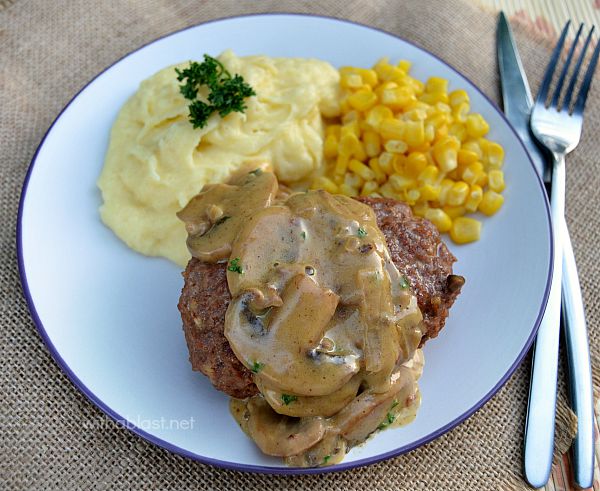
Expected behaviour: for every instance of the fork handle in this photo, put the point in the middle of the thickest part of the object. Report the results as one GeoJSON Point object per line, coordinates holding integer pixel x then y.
{"type": "Point", "coordinates": [541, 410]}
{"type": "Point", "coordinates": [580, 375]}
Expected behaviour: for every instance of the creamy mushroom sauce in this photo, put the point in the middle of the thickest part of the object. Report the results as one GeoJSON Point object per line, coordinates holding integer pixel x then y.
{"type": "Point", "coordinates": [319, 313]}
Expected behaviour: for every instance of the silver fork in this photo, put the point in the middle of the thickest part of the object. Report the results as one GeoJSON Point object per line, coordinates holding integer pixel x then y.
{"type": "Point", "coordinates": [557, 126]}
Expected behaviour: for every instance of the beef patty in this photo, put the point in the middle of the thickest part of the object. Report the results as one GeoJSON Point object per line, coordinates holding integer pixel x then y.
{"type": "Point", "coordinates": [415, 247]}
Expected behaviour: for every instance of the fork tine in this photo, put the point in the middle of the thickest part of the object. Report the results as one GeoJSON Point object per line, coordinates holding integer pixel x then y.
{"type": "Point", "coordinates": [543, 92]}
{"type": "Point", "coordinates": [587, 81]}
{"type": "Point", "coordinates": [565, 69]}
{"type": "Point", "coordinates": [573, 81]}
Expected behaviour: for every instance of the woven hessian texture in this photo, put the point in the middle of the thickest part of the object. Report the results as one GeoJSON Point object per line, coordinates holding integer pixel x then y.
{"type": "Point", "coordinates": [52, 436]}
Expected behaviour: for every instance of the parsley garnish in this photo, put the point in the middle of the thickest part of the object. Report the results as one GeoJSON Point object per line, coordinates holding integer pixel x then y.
{"type": "Point", "coordinates": [394, 404]}
{"type": "Point", "coordinates": [288, 399]}
{"type": "Point", "coordinates": [257, 366]}
{"type": "Point", "coordinates": [235, 266]}
{"type": "Point", "coordinates": [361, 232]}
{"type": "Point", "coordinates": [226, 93]}
{"type": "Point", "coordinates": [389, 419]}
{"type": "Point", "coordinates": [404, 283]}
{"type": "Point", "coordinates": [326, 458]}
{"type": "Point", "coordinates": [303, 235]}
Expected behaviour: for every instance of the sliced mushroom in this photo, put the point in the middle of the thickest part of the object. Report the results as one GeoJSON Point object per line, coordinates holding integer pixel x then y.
{"type": "Point", "coordinates": [214, 216]}
{"type": "Point", "coordinates": [278, 435]}
{"type": "Point", "coordinates": [279, 351]}
{"type": "Point", "coordinates": [302, 406]}
{"type": "Point", "coordinates": [269, 237]}
{"type": "Point", "coordinates": [366, 412]}
{"type": "Point", "coordinates": [377, 313]}
{"type": "Point", "coordinates": [330, 450]}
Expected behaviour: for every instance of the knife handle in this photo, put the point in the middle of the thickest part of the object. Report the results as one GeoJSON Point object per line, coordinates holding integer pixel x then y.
{"type": "Point", "coordinates": [541, 409]}
{"type": "Point", "coordinates": [580, 375]}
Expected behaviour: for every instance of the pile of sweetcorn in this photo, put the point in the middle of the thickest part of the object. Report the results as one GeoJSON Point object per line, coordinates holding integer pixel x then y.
{"type": "Point", "coordinates": [400, 138]}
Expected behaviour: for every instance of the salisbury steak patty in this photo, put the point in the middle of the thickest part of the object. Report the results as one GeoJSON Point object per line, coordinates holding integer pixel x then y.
{"type": "Point", "coordinates": [415, 247]}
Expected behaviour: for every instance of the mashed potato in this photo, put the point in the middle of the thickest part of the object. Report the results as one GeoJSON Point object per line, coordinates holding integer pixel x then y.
{"type": "Point", "coordinates": [156, 162]}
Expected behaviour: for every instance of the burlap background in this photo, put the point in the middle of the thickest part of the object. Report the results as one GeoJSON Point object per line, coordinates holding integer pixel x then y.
{"type": "Point", "coordinates": [52, 437]}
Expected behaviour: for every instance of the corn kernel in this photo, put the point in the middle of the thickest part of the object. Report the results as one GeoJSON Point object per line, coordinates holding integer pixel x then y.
{"type": "Point", "coordinates": [368, 75]}
{"type": "Point", "coordinates": [476, 125]}
{"type": "Point", "coordinates": [454, 211]}
{"type": "Point", "coordinates": [330, 147]}
{"type": "Point", "coordinates": [434, 97]}
{"type": "Point", "coordinates": [414, 133]}
{"type": "Point", "coordinates": [430, 192]}
{"type": "Point", "coordinates": [352, 127]}
{"type": "Point", "coordinates": [401, 183]}
{"type": "Point", "coordinates": [333, 129]}
{"type": "Point", "coordinates": [404, 65]}
{"type": "Point", "coordinates": [372, 143]}
{"type": "Point", "coordinates": [362, 100]}
{"type": "Point", "coordinates": [386, 162]}
{"type": "Point", "coordinates": [325, 183]}
{"type": "Point", "coordinates": [458, 131]}
{"type": "Point", "coordinates": [391, 129]}
{"type": "Point", "coordinates": [429, 132]}
{"type": "Point", "coordinates": [412, 196]}
{"type": "Point", "coordinates": [420, 209]}
{"type": "Point", "coordinates": [439, 218]}
{"type": "Point", "coordinates": [415, 163]}
{"type": "Point", "coordinates": [386, 72]}
{"type": "Point", "coordinates": [436, 84]}
{"type": "Point", "coordinates": [473, 146]}
{"type": "Point", "coordinates": [465, 230]}
{"type": "Point", "coordinates": [494, 155]}
{"type": "Point", "coordinates": [347, 190]}
{"type": "Point", "coordinates": [350, 80]}
{"type": "Point", "coordinates": [341, 164]}
{"type": "Point", "coordinates": [379, 173]}
{"type": "Point", "coordinates": [361, 169]}
{"type": "Point", "coordinates": [491, 203]}
{"type": "Point", "coordinates": [472, 173]}
{"type": "Point", "coordinates": [445, 153]}
{"type": "Point", "coordinates": [496, 180]}
{"type": "Point", "coordinates": [353, 180]}
{"type": "Point", "coordinates": [344, 106]}
{"type": "Point", "coordinates": [457, 194]}
{"type": "Point", "coordinates": [348, 143]}
{"type": "Point", "coordinates": [416, 114]}
{"type": "Point", "coordinates": [465, 156]}
{"type": "Point", "coordinates": [387, 191]}
{"type": "Point", "coordinates": [457, 97]}
{"type": "Point", "coordinates": [377, 114]}
{"type": "Point", "coordinates": [429, 175]}
{"type": "Point", "coordinates": [360, 153]}
{"type": "Point", "coordinates": [445, 187]}
{"type": "Point", "coordinates": [396, 98]}
{"type": "Point", "coordinates": [474, 198]}
{"type": "Point", "coordinates": [399, 164]}
{"type": "Point", "coordinates": [395, 146]}
{"type": "Point", "coordinates": [417, 85]}
{"type": "Point", "coordinates": [460, 113]}
{"type": "Point", "coordinates": [350, 117]}
{"type": "Point", "coordinates": [368, 188]}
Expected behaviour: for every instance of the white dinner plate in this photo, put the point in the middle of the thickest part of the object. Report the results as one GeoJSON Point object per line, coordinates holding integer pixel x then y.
{"type": "Point", "coordinates": [109, 315]}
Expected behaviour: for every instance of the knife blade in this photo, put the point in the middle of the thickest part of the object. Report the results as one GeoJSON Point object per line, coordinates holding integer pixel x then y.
{"type": "Point", "coordinates": [516, 96]}
{"type": "Point", "coordinates": [517, 102]}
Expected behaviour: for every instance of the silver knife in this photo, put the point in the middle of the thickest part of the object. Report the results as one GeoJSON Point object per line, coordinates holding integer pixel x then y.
{"type": "Point", "coordinates": [517, 107]}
